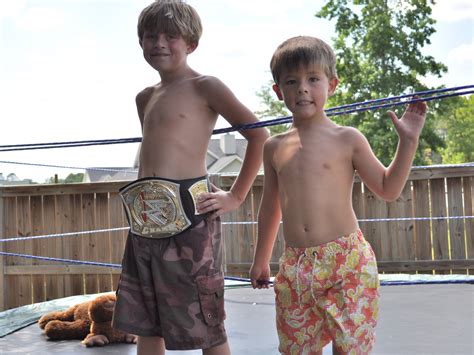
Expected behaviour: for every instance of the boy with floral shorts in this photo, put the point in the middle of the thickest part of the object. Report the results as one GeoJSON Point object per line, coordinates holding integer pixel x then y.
{"type": "Point", "coordinates": [327, 285]}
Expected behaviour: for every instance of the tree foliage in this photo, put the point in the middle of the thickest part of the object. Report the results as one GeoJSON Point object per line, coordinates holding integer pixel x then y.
{"type": "Point", "coordinates": [378, 46]}
{"type": "Point", "coordinates": [459, 131]}
{"type": "Point", "coordinates": [71, 178]}
{"type": "Point", "coordinates": [272, 109]}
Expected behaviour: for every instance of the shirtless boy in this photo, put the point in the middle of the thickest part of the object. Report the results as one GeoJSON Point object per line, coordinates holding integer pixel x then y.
{"type": "Point", "coordinates": [170, 292]}
{"type": "Point", "coordinates": [327, 285]}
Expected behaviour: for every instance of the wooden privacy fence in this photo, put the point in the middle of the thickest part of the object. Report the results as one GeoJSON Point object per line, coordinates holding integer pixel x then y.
{"type": "Point", "coordinates": [426, 246]}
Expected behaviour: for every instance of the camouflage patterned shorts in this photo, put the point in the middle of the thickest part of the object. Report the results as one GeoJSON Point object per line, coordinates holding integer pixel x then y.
{"type": "Point", "coordinates": [174, 288]}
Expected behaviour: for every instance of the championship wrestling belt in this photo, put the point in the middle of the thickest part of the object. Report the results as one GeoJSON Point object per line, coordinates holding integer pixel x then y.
{"type": "Point", "coordinates": [154, 207]}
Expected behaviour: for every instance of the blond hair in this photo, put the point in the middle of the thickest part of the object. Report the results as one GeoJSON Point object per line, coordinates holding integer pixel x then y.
{"type": "Point", "coordinates": [303, 50]}
{"type": "Point", "coordinates": [171, 16]}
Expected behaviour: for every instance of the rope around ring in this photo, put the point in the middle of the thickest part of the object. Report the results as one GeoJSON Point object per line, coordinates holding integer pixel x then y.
{"type": "Point", "coordinates": [338, 110]}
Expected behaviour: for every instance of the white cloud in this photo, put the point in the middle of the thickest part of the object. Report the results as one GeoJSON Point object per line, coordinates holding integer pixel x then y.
{"type": "Point", "coordinates": [453, 10]}
{"type": "Point", "coordinates": [40, 19]}
{"type": "Point", "coordinates": [11, 8]}
{"type": "Point", "coordinates": [462, 53]}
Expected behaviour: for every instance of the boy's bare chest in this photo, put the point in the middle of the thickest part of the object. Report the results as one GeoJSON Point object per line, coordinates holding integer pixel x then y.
{"type": "Point", "coordinates": [314, 157]}
{"type": "Point", "coordinates": [177, 108]}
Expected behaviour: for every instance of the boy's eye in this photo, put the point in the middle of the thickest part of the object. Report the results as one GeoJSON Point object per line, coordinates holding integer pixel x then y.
{"type": "Point", "coordinates": [290, 81]}
{"type": "Point", "coordinates": [313, 79]}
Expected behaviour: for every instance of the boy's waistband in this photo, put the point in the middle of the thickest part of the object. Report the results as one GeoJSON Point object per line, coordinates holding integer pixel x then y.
{"type": "Point", "coordinates": [160, 208]}
{"type": "Point", "coordinates": [344, 242]}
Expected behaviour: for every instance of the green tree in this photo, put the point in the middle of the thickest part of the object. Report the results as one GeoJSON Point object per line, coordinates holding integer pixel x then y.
{"type": "Point", "coordinates": [459, 131]}
{"type": "Point", "coordinates": [74, 178]}
{"type": "Point", "coordinates": [378, 46]}
{"type": "Point", "coordinates": [71, 178]}
{"type": "Point", "coordinates": [273, 109]}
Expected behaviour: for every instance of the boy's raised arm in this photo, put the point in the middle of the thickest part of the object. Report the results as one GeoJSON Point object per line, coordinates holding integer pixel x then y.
{"type": "Point", "coordinates": [388, 183]}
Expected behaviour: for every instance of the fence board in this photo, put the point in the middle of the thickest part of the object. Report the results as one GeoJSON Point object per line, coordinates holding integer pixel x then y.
{"type": "Point", "coordinates": [456, 226]}
{"type": "Point", "coordinates": [377, 232]}
{"type": "Point", "coordinates": [104, 246]}
{"type": "Point", "coordinates": [3, 289]}
{"type": "Point", "coordinates": [37, 227]}
{"type": "Point", "coordinates": [117, 219]}
{"type": "Point", "coordinates": [25, 294]}
{"type": "Point", "coordinates": [54, 284]}
{"type": "Point", "coordinates": [468, 191]}
{"type": "Point", "coordinates": [422, 237]}
{"type": "Point", "coordinates": [440, 226]}
{"type": "Point", "coordinates": [89, 247]}
{"type": "Point", "coordinates": [401, 232]}
{"type": "Point", "coordinates": [63, 221]}
{"type": "Point", "coordinates": [10, 229]}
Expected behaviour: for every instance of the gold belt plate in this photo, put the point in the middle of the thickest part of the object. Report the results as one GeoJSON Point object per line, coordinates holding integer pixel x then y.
{"type": "Point", "coordinates": [154, 208]}
{"type": "Point", "coordinates": [196, 189]}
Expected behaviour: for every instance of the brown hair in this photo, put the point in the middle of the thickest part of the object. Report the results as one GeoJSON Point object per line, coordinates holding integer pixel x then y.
{"type": "Point", "coordinates": [171, 16]}
{"type": "Point", "coordinates": [303, 50]}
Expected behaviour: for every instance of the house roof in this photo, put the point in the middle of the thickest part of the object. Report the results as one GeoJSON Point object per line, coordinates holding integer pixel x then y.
{"type": "Point", "coordinates": [221, 163]}
{"type": "Point", "coordinates": [216, 161]}
{"type": "Point", "coordinates": [116, 173]}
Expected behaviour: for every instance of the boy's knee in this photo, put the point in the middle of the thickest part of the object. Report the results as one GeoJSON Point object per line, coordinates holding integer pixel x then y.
{"type": "Point", "coordinates": [150, 345]}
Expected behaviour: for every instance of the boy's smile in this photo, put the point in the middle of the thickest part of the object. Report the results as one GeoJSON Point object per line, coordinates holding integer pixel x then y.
{"type": "Point", "coordinates": [165, 52]}
{"type": "Point", "coordinates": [305, 90]}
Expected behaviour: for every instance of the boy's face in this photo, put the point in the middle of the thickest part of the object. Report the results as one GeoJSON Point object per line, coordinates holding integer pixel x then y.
{"type": "Point", "coordinates": [165, 52]}
{"type": "Point", "coordinates": [305, 90]}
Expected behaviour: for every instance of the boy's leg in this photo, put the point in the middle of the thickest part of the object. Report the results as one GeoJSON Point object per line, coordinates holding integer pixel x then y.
{"type": "Point", "coordinates": [351, 305]}
{"type": "Point", "coordinates": [150, 346]}
{"type": "Point", "coordinates": [222, 349]}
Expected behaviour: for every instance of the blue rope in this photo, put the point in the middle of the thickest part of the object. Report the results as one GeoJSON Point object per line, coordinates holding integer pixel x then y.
{"type": "Point", "coordinates": [126, 171]}
{"type": "Point", "coordinates": [230, 278]}
{"type": "Point", "coordinates": [67, 261]}
{"type": "Point", "coordinates": [289, 119]}
{"type": "Point", "coordinates": [385, 283]}
{"type": "Point", "coordinates": [420, 93]}
{"type": "Point", "coordinates": [338, 110]}
{"type": "Point", "coordinates": [81, 233]}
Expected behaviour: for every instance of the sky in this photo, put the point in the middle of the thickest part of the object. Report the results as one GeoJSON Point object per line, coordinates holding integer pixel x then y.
{"type": "Point", "coordinates": [70, 69]}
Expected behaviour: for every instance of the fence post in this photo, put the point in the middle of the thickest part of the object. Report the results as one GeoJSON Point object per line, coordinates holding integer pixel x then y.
{"type": "Point", "coordinates": [2, 258]}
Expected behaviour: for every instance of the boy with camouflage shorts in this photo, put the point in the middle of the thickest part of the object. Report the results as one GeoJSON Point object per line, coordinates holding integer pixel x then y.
{"type": "Point", "coordinates": [171, 289]}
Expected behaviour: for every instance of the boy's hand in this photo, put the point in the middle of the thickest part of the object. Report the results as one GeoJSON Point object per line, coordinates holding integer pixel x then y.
{"type": "Point", "coordinates": [410, 125]}
{"type": "Point", "coordinates": [260, 276]}
{"type": "Point", "coordinates": [218, 202]}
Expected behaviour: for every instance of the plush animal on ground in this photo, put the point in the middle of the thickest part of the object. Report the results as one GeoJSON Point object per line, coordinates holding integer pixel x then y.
{"type": "Point", "coordinates": [89, 321]}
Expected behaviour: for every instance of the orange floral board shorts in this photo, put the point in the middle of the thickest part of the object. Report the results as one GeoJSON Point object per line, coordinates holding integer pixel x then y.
{"type": "Point", "coordinates": [327, 293]}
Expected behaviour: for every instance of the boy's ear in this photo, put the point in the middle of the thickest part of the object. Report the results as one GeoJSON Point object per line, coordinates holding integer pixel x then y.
{"type": "Point", "coordinates": [333, 85]}
{"type": "Point", "coordinates": [192, 47]}
{"type": "Point", "coordinates": [277, 91]}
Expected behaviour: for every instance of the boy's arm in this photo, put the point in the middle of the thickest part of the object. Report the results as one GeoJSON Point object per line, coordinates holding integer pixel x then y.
{"type": "Point", "coordinates": [224, 102]}
{"type": "Point", "coordinates": [269, 217]}
{"type": "Point", "coordinates": [388, 183]}
{"type": "Point", "coordinates": [141, 101]}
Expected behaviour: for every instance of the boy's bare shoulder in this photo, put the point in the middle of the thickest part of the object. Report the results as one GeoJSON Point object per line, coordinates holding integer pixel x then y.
{"type": "Point", "coordinates": [350, 135]}
{"type": "Point", "coordinates": [208, 83]}
{"type": "Point", "coordinates": [144, 96]}
{"type": "Point", "coordinates": [272, 142]}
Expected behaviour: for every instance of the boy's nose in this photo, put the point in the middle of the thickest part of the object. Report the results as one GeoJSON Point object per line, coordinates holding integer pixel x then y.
{"type": "Point", "coordinates": [302, 89]}
{"type": "Point", "coordinates": [160, 40]}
